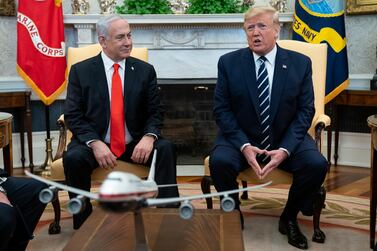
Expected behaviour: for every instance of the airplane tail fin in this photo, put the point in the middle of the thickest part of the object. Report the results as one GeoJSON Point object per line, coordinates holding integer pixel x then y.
{"type": "Point", "coordinates": [153, 166]}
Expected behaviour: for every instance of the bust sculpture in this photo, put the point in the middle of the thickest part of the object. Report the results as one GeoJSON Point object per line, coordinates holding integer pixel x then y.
{"type": "Point", "coordinates": [107, 6]}
{"type": "Point", "coordinates": [279, 5]}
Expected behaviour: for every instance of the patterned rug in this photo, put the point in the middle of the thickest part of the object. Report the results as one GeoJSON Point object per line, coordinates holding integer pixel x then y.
{"type": "Point", "coordinates": [345, 220]}
{"type": "Point", "coordinates": [340, 210]}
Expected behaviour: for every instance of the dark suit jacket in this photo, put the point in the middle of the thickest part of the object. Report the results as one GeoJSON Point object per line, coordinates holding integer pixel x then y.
{"type": "Point", "coordinates": [87, 106]}
{"type": "Point", "coordinates": [236, 107]}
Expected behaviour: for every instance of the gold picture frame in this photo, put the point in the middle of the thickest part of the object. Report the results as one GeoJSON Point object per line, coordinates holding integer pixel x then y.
{"type": "Point", "coordinates": [7, 8]}
{"type": "Point", "coordinates": [361, 7]}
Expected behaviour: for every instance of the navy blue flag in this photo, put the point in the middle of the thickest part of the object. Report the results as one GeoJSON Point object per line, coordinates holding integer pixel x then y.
{"type": "Point", "coordinates": [322, 21]}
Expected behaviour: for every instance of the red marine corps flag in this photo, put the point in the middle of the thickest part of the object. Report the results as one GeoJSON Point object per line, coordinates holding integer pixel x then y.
{"type": "Point", "coordinates": [40, 47]}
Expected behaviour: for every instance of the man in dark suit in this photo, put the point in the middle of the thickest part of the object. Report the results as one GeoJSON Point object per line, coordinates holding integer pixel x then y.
{"type": "Point", "coordinates": [264, 105]}
{"type": "Point", "coordinates": [20, 210]}
{"type": "Point", "coordinates": [107, 126]}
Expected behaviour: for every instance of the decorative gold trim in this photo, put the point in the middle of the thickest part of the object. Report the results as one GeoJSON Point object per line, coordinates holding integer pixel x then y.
{"type": "Point", "coordinates": [361, 7]}
{"type": "Point", "coordinates": [7, 8]}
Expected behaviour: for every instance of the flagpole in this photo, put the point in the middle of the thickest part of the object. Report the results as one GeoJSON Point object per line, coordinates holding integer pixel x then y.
{"type": "Point", "coordinates": [45, 168]}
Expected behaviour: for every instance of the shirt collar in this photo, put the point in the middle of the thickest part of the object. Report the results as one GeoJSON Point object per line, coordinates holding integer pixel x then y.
{"type": "Point", "coordinates": [271, 56]}
{"type": "Point", "coordinates": [2, 180]}
{"type": "Point", "coordinates": [108, 62]}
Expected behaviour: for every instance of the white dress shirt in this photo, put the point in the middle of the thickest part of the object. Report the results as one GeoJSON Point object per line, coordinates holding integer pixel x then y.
{"type": "Point", "coordinates": [270, 66]}
{"type": "Point", "coordinates": [109, 70]}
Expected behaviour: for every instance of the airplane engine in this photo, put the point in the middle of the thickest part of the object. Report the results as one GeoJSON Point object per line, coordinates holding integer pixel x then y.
{"type": "Point", "coordinates": [48, 194]}
{"type": "Point", "coordinates": [76, 205]}
{"type": "Point", "coordinates": [227, 204]}
{"type": "Point", "coordinates": [186, 210]}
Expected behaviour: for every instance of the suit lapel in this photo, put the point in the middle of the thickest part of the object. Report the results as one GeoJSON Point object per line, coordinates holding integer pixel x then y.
{"type": "Point", "coordinates": [279, 81]}
{"type": "Point", "coordinates": [250, 77]}
{"type": "Point", "coordinates": [99, 76]}
{"type": "Point", "coordinates": [129, 79]}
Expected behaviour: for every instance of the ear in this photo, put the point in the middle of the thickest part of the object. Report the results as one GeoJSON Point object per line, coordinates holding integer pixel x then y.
{"type": "Point", "coordinates": [277, 31]}
{"type": "Point", "coordinates": [102, 41]}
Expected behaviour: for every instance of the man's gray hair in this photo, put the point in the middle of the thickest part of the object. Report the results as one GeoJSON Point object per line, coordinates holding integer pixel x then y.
{"type": "Point", "coordinates": [103, 24]}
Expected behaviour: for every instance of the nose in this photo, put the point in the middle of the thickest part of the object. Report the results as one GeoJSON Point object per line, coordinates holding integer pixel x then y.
{"type": "Point", "coordinates": [257, 30]}
{"type": "Point", "coordinates": [128, 41]}
{"type": "Point", "coordinates": [256, 33]}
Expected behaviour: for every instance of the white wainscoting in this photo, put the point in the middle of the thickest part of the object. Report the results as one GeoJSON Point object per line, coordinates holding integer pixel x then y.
{"type": "Point", "coordinates": [39, 148]}
{"type": "Point", "coordinates": [354, 149]}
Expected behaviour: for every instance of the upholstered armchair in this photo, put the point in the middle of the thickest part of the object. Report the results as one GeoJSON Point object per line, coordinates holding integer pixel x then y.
{"type": "Point", "coordinates": [75, 55]}
{"type": "Point", "coordinates": [318, 56]}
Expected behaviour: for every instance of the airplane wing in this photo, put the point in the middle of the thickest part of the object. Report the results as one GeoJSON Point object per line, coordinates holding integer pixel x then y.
{"type": "Point", "coordinates": [149, 202]}
{"type": "Point", "coordinates": [164, 201]}
{"type": "Point", "coordinates": [84, 193]}
{"type": "Point", "coordinates": [167, 185]}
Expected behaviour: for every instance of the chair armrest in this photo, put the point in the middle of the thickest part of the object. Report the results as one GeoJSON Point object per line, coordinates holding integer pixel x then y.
{"type": "Point", "coordinates": [62, 138]}
{"type": "Point", "coordinates": [323, 118]}
{"type": "Point", "coordinates": [320, 123]}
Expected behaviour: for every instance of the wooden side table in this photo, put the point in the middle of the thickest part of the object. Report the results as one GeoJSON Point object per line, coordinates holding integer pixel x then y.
{"type": "Point", "coordinates": [20, 100]}
{"type": "Point", "coordinates": [6, 140]}
{"type": "Point", "coordinates": [362, 98]}
{"type": "Point", "coordinates": [372, 123]}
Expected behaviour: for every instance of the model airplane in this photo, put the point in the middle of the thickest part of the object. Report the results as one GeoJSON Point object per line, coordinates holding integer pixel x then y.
{"type": "Point", "coordinates": [123, 191]}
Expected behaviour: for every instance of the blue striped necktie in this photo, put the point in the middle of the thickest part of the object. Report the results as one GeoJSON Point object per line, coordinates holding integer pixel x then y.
{"type": "Point", "coordinates": [264, 107]}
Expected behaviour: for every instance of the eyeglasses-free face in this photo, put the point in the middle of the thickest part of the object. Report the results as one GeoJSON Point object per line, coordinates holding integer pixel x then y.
{"type": "Point", "coordinates": [261, 33]}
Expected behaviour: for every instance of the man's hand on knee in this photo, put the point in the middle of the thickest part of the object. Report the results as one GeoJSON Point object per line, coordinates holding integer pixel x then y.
{"type": "Point", "coordinates": [102, 153]}
{"type": "Point", "coordinates": [4, 199]}
{"type": "Point", "coordinates": [250, 153]}
{"type": "Point", "coordinates": [143, 150]}
{"type": "Point", "coordinates": [277, 157]}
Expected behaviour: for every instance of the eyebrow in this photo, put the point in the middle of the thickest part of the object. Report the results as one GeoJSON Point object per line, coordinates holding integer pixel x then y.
{"type": "Point", "coordinates": [123, 34]}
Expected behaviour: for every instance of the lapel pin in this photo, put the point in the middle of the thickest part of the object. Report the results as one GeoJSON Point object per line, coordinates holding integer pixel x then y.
{"type": "Point", "coordinates": [284, 66]}
{"type": "Point", "coordinates": [132, 68]}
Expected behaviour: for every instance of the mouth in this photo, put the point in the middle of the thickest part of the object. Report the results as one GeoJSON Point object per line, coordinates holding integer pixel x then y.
{"type": "Point", "coordinates": [257, 42]}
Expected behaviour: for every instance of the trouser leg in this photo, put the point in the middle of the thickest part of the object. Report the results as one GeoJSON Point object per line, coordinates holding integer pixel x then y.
{"type": "Point", "coordinates": [8, 223]}
{"type": "Point", "coordinates": [23, 193]}
{"type": "Point", "coordinates": [166, 165]}
{"type": "Point", "coordinates": [79, 163]}
{"type": "Point", "coordinates": [309, 170]}
{"type": "Point", "coordinates": [225, 164]}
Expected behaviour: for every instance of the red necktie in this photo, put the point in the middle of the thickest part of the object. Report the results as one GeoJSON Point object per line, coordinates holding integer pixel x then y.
{"type": "Point", "coordinates": [117, 123]}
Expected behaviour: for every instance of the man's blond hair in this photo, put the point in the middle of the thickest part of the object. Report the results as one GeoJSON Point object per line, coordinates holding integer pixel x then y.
{"type": "Point", "coordinates": [256, 11]}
